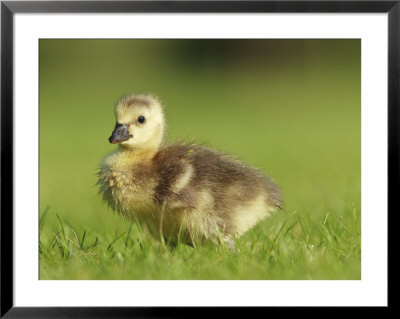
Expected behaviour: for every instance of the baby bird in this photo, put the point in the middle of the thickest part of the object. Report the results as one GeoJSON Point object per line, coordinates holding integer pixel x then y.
{"type": "Point", "coordinates": [177, 191]}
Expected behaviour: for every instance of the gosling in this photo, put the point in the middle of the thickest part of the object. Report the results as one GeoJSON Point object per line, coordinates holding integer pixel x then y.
{"type": "Point", "coordinates": [179, 192]}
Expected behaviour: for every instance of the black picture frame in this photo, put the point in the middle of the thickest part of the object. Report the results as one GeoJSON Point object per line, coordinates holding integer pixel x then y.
{"type": "Point", "coordinates": [9, 8]}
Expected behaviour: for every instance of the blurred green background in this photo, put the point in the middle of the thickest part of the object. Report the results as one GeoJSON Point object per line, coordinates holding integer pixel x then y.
{"type": "Point", "coordinates": [289, 107]}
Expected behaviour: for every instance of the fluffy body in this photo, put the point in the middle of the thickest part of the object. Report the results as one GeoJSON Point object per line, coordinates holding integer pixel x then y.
{"type": "Point", "coordinates": [180, 190]}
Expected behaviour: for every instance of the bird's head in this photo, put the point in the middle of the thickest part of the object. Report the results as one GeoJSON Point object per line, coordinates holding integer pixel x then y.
{"type": "Point", "coordinates": [140, 122]}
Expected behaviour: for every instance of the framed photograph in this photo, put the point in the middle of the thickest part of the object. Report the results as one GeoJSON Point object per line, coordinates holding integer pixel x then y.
{"type": "Point", "coordinates": [158, 156]}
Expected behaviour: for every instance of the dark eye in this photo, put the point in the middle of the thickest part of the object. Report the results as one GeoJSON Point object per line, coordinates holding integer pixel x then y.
{"type": "Point", "coordinates": [141, 119]}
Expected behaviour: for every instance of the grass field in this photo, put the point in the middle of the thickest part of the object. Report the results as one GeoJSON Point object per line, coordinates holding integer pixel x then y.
{"type": "Point", "coordinates": [289, 107]}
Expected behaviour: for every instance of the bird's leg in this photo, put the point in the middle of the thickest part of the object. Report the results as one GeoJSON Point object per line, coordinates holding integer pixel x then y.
{"type": "Point", "coordinates": [161, 224]}
{"type": "Point", "coordinates": [191, 237]}
{"type": "Point", "coordinates": [230, 243]}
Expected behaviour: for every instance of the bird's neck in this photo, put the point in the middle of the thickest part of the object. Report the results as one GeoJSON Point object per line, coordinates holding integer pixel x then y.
{"type": "Point", "coordinates": [138, 154]}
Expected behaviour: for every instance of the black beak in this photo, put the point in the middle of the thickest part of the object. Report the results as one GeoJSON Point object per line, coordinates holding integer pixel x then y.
{"type": "Point", "coordinates": [120, 134]}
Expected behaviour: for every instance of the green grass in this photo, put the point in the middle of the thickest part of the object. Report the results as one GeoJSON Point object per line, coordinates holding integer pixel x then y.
{"type": "Point", "coordinates": [296, 247]}
{"type": "Point", "coordinates": [292, 110]}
